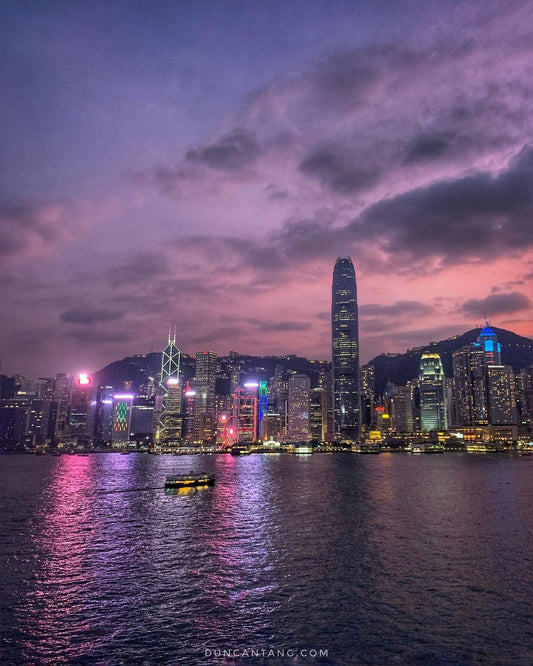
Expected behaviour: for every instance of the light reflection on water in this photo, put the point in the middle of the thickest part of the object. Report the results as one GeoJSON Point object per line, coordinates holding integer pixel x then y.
{"type": "Point", "coordinates": [379, 559]}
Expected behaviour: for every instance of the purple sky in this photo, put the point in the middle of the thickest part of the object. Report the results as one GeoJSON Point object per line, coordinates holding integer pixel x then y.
{"type": "Point", "coordinates": [204, 163]}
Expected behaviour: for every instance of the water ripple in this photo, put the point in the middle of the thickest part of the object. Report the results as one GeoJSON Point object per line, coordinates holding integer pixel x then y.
{"type": "Point", "coordinates": [379, 560]}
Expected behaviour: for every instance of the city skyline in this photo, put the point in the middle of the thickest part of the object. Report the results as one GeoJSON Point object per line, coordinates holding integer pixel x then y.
{"type": "Point", "coordinates": [199, 166]}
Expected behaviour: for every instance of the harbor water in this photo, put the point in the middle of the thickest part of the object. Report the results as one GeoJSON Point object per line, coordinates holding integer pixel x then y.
{"type": "Point", "coordinates": [327, 558]}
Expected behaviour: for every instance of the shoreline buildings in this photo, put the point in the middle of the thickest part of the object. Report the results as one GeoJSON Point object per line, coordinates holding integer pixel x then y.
{"type": "Point", "coordinates": [209, 401]}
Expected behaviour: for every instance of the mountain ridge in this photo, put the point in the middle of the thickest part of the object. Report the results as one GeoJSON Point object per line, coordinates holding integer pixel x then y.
{"type": "Point", "coordinates": [517, 351]}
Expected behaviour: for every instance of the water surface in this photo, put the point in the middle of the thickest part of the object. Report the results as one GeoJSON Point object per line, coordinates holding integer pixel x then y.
{"type": "Point", "coordinates": [389, 559]}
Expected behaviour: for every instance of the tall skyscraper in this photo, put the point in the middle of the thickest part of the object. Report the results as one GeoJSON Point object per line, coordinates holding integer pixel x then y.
{"type": "Point", "coordinates": [469, 386]}
{"type": "Point", "coordinates": [345, 339]}
{"type": "Point", "coordinates": [205, 400]}
{"type": "Point", "coordinates": [433, 414]}
{"type": "Point", "coordinates": [244, 409]}
{"type": "Point", "coordinates": [122, 407]}
{"type": "Point", "coordinates": [318, 414]}
{"type": "Point", "coordinates": [169, 420]}
{"type": "Point", "coordinates": [402, 409]}
{"type": "Point", "coordinates": [501, 392]}
{"type": "Point", "coordinates": [491, 347]}
{"type": "Point", "coordinates": [299, 423]}
{"type": "Point", "coordinates": [80, 424]}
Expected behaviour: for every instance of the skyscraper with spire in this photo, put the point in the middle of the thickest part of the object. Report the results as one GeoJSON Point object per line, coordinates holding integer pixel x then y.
{"type": "Point", "coordinates": [170, 419]}
{"type": "Point", "coordinates": [345, 343]}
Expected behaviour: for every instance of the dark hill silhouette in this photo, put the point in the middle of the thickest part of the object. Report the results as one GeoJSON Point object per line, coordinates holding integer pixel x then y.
{"type": "Point", "coordinates": [137, 369]}
{"type": "Point", "coordinates": [517, 351]}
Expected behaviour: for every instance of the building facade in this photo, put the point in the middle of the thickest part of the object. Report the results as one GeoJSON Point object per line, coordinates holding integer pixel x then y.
{"type": "Point", "coordinates": [433, 409]}
{"type": "Point", "coordinates": [345, 351]}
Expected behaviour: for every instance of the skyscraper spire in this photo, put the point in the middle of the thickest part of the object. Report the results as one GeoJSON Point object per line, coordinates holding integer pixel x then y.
{"type": "Point", "coordinates": [345, 344]}
{"type": "Point", "coordinates": [172, 334]}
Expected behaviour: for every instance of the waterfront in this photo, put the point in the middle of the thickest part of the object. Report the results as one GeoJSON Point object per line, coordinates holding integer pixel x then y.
{"type": "Point", "coordinates": [377, 559]}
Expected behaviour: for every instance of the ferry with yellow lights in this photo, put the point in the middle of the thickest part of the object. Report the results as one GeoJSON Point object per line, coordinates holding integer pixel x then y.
{"type": "Point", "coordinates": [189, 481]}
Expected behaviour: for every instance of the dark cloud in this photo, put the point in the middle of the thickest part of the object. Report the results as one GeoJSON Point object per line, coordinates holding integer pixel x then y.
{"type": "Point", "coordinates": [82, 315]}
{"type": "Point", "coordinates": [307, 238]}
{"type": "Point", "coordinates": [473, 218]}
{"type": "Point", "coordinates": [426, 148]}
{"type": "Point", "coordinates": [347, 77]}
{"type": "Point", "coordinates": [335, 169]}
{"type": "Point", "coordinates": [496, 304]}
{"type": "Point", "coordinates": [100, 336]}
{"type": "Point", "coordinates": [140, 267]}
{"type": "Point", "coordinates": [343, 76]}
{"type": "Point", "coordinates": [478, 216]}
{"type": "Point", "coordinates": [232, 151]}
{"type": "Point", "coordinates": [274, 193]}
{"type": "Point", "coordinates": [397, 309]}
{"type": "Point", "coordinates": [285, 326]}
{"type": "Point", "coordinates": [34, 229]}
{"type": "Point", "coordinates": [217, 335]}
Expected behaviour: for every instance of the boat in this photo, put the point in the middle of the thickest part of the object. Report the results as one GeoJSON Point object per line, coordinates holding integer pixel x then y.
{"type": "Point", "coordinates": [189, 481]}
{"type": "Point", "coordinates": [368, 448]}
{"type": "Point", "coordinates": [240, 450]}
{"type": "Point", "coordinates": [486, 447]}
{"type": "Point", "coordinates": [433, 448]}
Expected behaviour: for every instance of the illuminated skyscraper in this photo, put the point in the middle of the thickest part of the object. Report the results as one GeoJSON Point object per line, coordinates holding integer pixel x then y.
{"type": "Point", "coordinates": [345, 339]}
{"type": "Point", "coordinates": [262, 407]}
{"type": "Point", "coordinates": [205, 400]}
{"type": "Point", "coordinates": [170, 391]}
{"type": "Point", "coordinates": [402, 409]}
{"type": "Point", "coordinates": [299, 423]}
{"type": "Point", "coordinates": [501, 392]}
{"type": "Point", "coordinates": [245, 406]}
{"type": "Point", "coordinates": [171, 416]}
{"type": "Point", "coordinates": [469, 386]}
{"type": "Point", "coordinates": [60, 407]}
{"type": "Point", "coordinates": [103, 418]}
{"type": "Point", "coordinates": [318, 414]}
{"type": "Point", "coordinates": [188, 422]}
{"type": "Point", "coordinates": [80, 426]}
{"type": "Point", "coordinates": [491, 347]}
{"type": "Point", "coordinates": [433, 414]}
{"type": "Point", "coordinates": [122, 407]}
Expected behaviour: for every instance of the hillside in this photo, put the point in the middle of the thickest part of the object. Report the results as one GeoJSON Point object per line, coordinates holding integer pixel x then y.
{"type": "Point", "coordinates": [517, 351]}
{"type": "Point", "coordinates": [137, 369]}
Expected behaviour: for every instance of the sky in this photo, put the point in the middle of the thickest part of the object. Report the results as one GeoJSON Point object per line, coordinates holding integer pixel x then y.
{"type": "Point", "coordinates": [203, 163]}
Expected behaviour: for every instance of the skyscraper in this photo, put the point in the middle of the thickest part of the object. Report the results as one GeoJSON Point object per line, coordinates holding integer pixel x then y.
{"type": "Point", "coordinates": [470, 388]}
{"type": "Point", "coordinates": [170, 390]}
{"type": "Point", "coordinates": [122, 406]}
{"type": "Point", "coordinates": [244, 410]}
{"type": "Point", "coordinates": [491, 347]}
{"type": "Point", "coordinates": [345, 339]}
{"type": "Point", "coordinates": [299, 425]}
{"type": "Point", "coordinates": [501, 392]}
{"type": "Point", "coordinates": [205, 400]}
{"type": "Point", "coordinates": [433, 415]}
